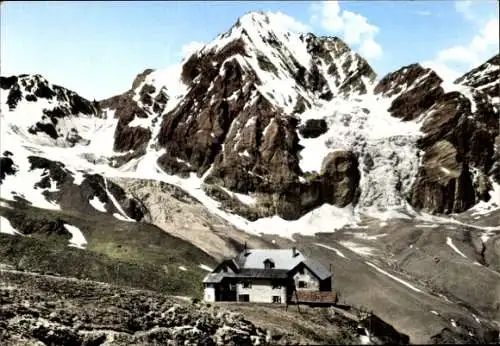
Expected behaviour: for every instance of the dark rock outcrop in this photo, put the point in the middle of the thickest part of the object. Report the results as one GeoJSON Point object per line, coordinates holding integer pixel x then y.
{"type": "Point", "coordinates": [331, 49]}
{"type": "Point", "coordinates": [7, 167]}
{"type": "Point", "coordinates": [8, 82]}
{"type": "Point", "coordinates": [126, 109]}
{"type": "Point", "coordinates": [313, 128]}
{"type": "Point", "coordinates": [413, 101]}
{"type": "Point", "coordinates": [340, 178]}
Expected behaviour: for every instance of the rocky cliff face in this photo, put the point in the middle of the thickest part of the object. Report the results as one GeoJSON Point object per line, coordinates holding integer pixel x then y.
{"type": "Point", "coordinates": [235, 121]}
{"type": "Point", "coordinates": [237, 130]}
{"type": "Point", "coordinates": [486, 78]}
{"type": "Point", "coordinates": [140, 102]}
{"type": "Point", "coordinates": [459, 127]}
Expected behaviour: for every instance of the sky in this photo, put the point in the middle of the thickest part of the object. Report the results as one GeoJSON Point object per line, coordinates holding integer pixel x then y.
{"type": "Point", "coordinates": [97, 48]}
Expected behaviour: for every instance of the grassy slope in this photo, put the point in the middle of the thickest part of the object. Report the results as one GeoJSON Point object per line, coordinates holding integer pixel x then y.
{"type": "Point", "coordinates": [125, 253]}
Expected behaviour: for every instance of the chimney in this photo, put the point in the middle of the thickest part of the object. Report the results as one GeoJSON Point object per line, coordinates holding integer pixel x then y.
{"type": "Point", "coordinates": [294, 251]}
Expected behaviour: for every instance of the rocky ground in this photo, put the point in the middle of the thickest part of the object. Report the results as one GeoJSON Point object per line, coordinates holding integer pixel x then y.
{"type": "Point", "coordinates": [50, 310]}
{"type": "Point", "coordinates": [45, 310]}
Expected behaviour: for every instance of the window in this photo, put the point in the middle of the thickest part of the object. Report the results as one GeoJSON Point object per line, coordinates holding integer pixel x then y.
{"type": "Point", "coordinates": [268, 264]}
{"type": "Point", "coordinates": [302, 284]}
{"type": "Point", "coordinates": [276, 299]}
{"type": "Point", "coordinates": [244, 298]}
{"type": "Point", "coordinates": [301, 270]}
{"type": "Point", "coordinates": [247, 284]}
{"type": "Point", "coordinates": [362, 331]}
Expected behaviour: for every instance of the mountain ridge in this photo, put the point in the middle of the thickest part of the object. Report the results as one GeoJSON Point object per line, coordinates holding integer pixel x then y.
{"type": "Point", "coordinates": [331, 160]}
{"type": "Point", "coordinates": [226, 91]}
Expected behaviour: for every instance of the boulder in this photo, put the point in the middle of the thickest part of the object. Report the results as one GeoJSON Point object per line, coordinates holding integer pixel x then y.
{"type": "Point", "coordinates": [313, 128]}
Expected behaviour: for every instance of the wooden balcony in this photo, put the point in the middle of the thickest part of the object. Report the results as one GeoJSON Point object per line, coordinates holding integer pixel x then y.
{"type": "Point", "coordinates": [314, 297]}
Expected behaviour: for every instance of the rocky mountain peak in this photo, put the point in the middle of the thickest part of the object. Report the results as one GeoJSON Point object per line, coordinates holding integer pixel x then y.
{"type": "Point", "coordinates": [410, 76]}
{"type": "Point", "coordinates": [44, 110]}
{"type": "Point", "coordinates": [301, 65]}
{"type": "Point", "coordinates": [486, 78]}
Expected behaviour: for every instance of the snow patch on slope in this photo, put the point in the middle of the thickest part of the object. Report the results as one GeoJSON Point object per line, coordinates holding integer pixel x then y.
{"type": "Point", "coordinates": [492, 205]}
{"type": "Point", "coordinates": [338, 252]}
{"type": "Point", "coordinates": [77, 238]}
{"type": "Point", "coordinates": [122, 218]}
{"type": "Point", "coordinates": [449, 86]}
{"type": "Point", "coordinates": [78, 178]}
{"type": "Point", "coordinates": [170, 79]}
{"type": "Point", "coordinates": [5, 205]}
{"type": "Point", "coordinates": [410, 286]}
{"type": "Point", "coordinates": [326, 218]}
{"type": "Point", "coordinates": [357, 248]}
{"type": "Point", "coordinates": [443, 220]}
{"type": "Point", "coordinates": [449, 242]}
{"type": "Point", "coordinates": [205, 267]}
{"type": "Point", "coordinates": [6, 227]}
{"type": "Point", "coordinates": [22, 184]}
{"type": "Point", "coordinates": [97, 204]}
{"type": "Point", "coordinates": [117, 205]}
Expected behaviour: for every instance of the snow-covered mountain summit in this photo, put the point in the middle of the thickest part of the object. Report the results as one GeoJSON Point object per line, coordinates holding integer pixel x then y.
{"type": "Point", "coordinates": [270, 122]}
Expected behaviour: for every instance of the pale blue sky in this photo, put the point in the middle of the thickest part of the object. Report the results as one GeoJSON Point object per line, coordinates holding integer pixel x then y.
{"type": "Point", "coordinates": [97, 48]}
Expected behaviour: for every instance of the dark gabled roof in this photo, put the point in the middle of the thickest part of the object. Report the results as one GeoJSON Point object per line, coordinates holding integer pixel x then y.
{"type": "Point", "coordinates": [263, 273]}
{"type": "Point", "coordinates": [318, 269]}
{"type": "Point", "coordinates": [227, 261]}
{"type": "Point", "coordinates": [249, 264]}
{"type": "Point", "coordinates": [282, 258]}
